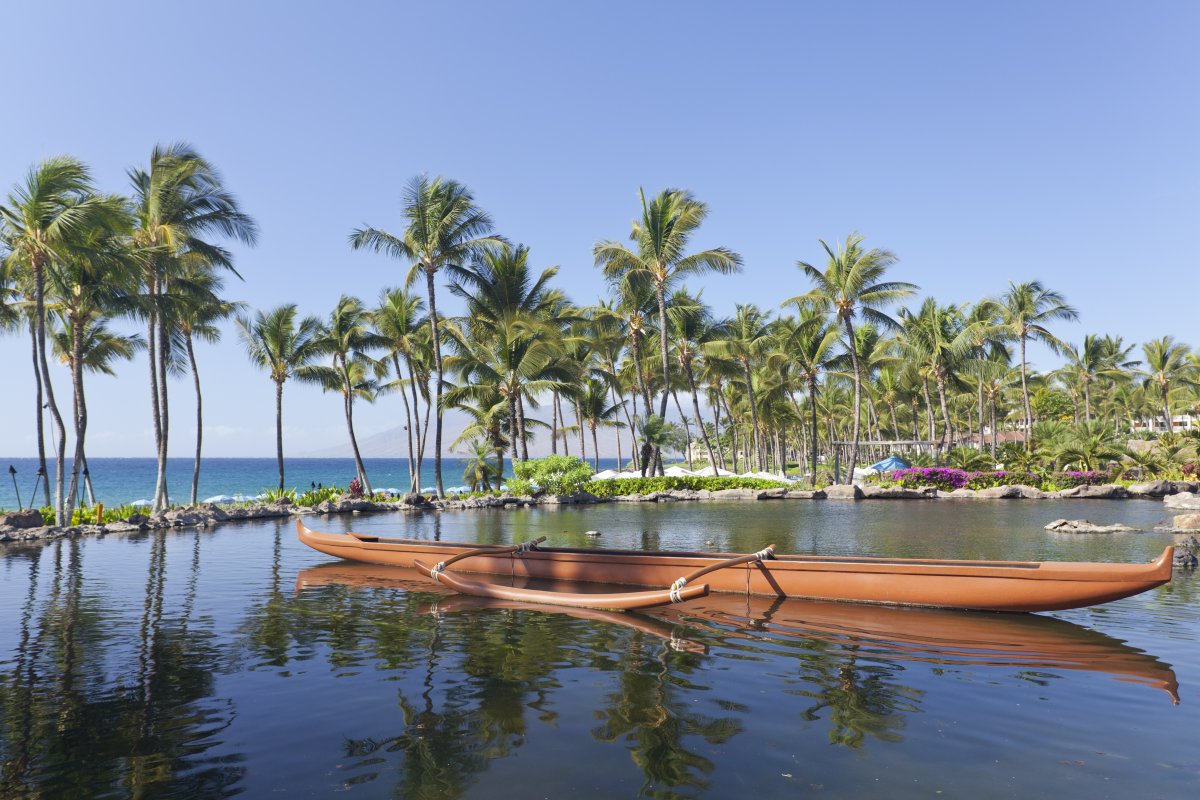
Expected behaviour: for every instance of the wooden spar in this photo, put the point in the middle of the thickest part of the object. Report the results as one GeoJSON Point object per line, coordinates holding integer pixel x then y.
{"type": "Point", "coordinates": [620, 601]}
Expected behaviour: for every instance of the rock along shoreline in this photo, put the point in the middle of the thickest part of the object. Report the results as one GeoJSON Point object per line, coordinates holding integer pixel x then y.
{"type": "Point", "coordinates": [26, 526]}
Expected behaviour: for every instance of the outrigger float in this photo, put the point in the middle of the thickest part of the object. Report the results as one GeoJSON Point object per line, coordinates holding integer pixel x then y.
{"type": "Point", "coordinates": [672, 576]}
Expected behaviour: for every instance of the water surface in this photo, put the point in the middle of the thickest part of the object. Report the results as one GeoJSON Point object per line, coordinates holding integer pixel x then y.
{"type": "Point", "coordinates": [235, 661]}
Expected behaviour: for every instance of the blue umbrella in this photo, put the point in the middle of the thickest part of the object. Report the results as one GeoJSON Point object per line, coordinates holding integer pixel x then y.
{"type": "Point", "coordinates": [890, 463]}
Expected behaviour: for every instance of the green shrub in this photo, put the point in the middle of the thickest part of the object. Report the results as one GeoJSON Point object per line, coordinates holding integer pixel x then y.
{"type": "Point", "coordinates": [552, 474]}
{"type": "Point", "coordinates": [315, 496]}
{"type": "Point", "coordinates": [623, 486]}
{"type": "Point", "coordinates": [275, 495]}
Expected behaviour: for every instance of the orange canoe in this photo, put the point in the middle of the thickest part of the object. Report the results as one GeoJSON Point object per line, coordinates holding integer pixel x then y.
{"type": "Point", "coordinates": [930, 636]}
{"type": "Point", "coordinates": [959, 584]}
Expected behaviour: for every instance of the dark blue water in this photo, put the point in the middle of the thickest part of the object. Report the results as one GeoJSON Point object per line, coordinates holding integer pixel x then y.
{"type": "Point", "coordinates": [124, 480]}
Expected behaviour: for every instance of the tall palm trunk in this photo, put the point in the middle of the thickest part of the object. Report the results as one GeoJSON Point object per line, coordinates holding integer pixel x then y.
{"type": "Point", "coordinates": [660, 291]}
{"type": "Point", "coordinates": [348, 403]}
{"type": "Point", "coordinates": [514, 429]}
{"type": "Point", "coordinates": [720, 462]}
{"type": "Point", "coordinates": [579, 424]}
{"type": "Point", "coordinates": [992, 402]}
{"type": "Point", "coordinates": [595, 449]}
{"type": "Point", "coordinates": [60, 456]}
{"type": "Point", "coordinates": [980, 400]}
{"type": "Point", "coordinates": [1087, 400]}
{"type": "Point", "coordinates": [758, 454]}
{"type": "Point", "coordinates": [566, 439]}
{"type": "Point", "coordinates": [700, 420]}
{"type": "Point", "coordinates": [437, 362]}
{"type": "Point", "coordinates": [521, 427]}
{"type": "Point", "coordinates": [162, 497]}
{"type": "Point", "coordinates": [41, 420]}
{"type": "Point", "coordinates": [687, 429]}
{"type": "Point", "coordinates": [941, 387]}
{"type": "Point", "coordinates": [812, 402]}
{"type": "Point", "coordinates": [647, 449]}
{"type": "Point", "coordinates": [156, 412]}
{"type": "Point", "coordinates": [1166, 400]}
{"type": "Point", "coordinates": [618, 400]}
{"type": "Point", "coordinates": [416, 412]}
{"type": "Point", "coordinates": [408, 425]}
{"type": "Point", "coordinates": [191, 353]}
{"type": "Point", "coordinates": [80, 415]}
{"type": "Point", "coordinates": [1025, 400]}
{"type": "Point", "coordinates": [279, 430]}
{"type": "Point", "coordinates": [928, 410]}
{"type": "Point", "coordinates": [857, 400]}
{"type": "Point", "coordinates": [554, 423]}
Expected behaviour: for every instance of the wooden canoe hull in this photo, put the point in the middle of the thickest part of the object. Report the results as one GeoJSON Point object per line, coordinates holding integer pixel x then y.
{"type": "Point", "coordinates": [975, 585]}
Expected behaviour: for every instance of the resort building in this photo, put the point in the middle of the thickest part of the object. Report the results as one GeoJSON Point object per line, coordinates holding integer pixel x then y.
{"type": "Point", "coordinates": [1179, 424]}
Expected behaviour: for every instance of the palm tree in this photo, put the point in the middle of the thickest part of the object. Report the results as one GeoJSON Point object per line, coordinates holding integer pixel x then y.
{"type": "Point", "coordinates": [661, 237]}
{"type": "Point", "coordinates": [43, 218]}
{"type": "Point", "coordinates": [515, 362]}
{"type": "Point", "coordinates": [852, 285]}
{"type": "Point", "coordinates": [276, 343]}
{"type": "Point", "coordinates": [443, 227]}
{"type": "Point", "coordinates": [1087, 446]}
{"type": "Point", "coordinates": [1167, 366]}
{"type": "Point", "coordinates": [691, 326]}
{"type": "Point", "coordinates": [939, 338]}
{"type": "Point", "coordinates": [480, 468]}
{"type": "Point", "coordinates": [347, 336]}
{"type": "Point", "coordinates": [1024, 311]}
{"type": "Point", "coordinates": [745, 339]}
{"type": "Point", "coordinates": [595, 412]}
{"type": "Point", "coordinates": [179, 202]}
{"type": "Point", "coordinates": [98, 348]}
{"type": "Point", "coordinates": [808, 348]}
{"type": "Point", "coordinates": [1100, 357]}
{"type": "Point", "coordinates": [94, 278]}
{"type": "Point", "coordinates": [399, 319]}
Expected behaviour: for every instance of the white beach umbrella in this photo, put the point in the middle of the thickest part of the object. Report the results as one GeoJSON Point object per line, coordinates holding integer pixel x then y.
{"type": "Point", "coordinates": [605, 475]}
{"type": "Point", "coordinates": [678, 472]}
{"type": "Point", "coordinates": [710, 472]}
{"type": "Point", "coordinates": [141, 504]}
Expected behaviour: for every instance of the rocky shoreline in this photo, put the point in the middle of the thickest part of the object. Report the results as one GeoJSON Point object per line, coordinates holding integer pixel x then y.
{"type": "Point", "coordinates": [1176, 495]}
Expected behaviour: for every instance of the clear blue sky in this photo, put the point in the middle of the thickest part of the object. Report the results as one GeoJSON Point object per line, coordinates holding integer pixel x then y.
{"type": "Point", "coordinates": [980, 142]}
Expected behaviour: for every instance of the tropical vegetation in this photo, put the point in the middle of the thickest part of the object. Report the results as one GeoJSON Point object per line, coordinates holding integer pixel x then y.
{"type": "Point", "coordinates": [851, 367]}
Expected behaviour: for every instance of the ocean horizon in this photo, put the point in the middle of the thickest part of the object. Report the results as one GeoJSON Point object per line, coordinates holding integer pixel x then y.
{"type": "Point", "coordinates": [124, 480]}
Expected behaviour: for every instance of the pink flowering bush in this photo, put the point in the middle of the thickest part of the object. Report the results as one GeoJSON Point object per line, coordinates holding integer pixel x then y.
{"type": "Point", "coordinates": [948, 479]}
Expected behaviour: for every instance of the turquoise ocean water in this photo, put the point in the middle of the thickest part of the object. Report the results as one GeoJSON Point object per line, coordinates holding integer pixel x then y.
{"type": "Point", "coordinates": [123, 480]}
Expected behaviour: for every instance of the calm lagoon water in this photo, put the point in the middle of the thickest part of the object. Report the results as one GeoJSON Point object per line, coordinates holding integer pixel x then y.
{"type": "Point", "coordinates": [235, 661]}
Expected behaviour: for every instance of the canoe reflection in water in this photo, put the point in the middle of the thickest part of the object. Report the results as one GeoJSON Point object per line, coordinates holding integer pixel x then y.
{"type": "Point", "coordinates": [1021, 641]}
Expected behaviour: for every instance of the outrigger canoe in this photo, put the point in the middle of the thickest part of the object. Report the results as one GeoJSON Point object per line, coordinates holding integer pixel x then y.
{"type": "Point", "coordinates": [663, 578]}
{"type": "Point", "coordinates": [931, 636]}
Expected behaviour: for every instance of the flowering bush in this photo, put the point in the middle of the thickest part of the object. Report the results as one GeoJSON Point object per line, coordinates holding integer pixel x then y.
{"type": "Point", "coordinates": [946, 479]}
{"type": "Point", "coordinates": [1066, 480]}
{"type": "Point", "coordinates": [625, 486]}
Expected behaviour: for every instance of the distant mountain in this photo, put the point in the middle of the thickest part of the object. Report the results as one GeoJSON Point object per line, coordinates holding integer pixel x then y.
{"type": "Point", "coordinates": [386, 444]}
